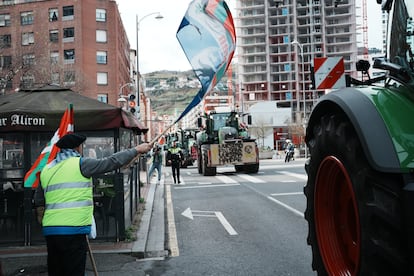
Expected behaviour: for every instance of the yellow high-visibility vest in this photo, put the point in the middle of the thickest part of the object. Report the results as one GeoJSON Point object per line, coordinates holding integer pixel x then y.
{"type": "Point", "coordinates": [68, 195]}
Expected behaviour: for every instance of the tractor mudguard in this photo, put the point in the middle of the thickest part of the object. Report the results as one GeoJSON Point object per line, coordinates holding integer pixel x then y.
{"type": "Point", "coordinates": [368, 111]}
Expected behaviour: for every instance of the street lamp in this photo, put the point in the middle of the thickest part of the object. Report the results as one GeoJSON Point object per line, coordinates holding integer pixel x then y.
{"type": "Point", "coordinates": [121, 98]}
{"type": "Point", "coordinates": [295, 42]}
{"type": "Point", "coordinates": [158, 16]}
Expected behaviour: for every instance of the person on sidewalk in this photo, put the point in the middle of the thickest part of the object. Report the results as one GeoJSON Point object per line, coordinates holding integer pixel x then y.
{"type": "Point", "coordinates": [67, 190]}
{"type": "Point", "coordinates": [174, 157]}
{"type": "Point", "coordinates": [156, 162]}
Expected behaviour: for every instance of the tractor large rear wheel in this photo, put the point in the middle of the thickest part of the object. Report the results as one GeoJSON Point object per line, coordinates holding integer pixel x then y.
{"type": "Point", "coordinates": [207, 171]}
{"type": "Point", "coordinates": [354, 213]}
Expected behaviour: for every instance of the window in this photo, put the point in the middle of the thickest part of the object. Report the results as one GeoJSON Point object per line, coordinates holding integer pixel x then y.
{"type": "Point", "coordinates": [4, 20]}
{"type": "Point", "coordinates": [54, 57]}
{"type": "Point", "coordinates": [27, 38]}
{"type": "Point", "coordinates": [11, 152]}
{"type": "Point", "coordinates": [103, 98]}
{"type": "Point", "coordinates": [69, 56]}
{"type": "Point", "coordinates": [28, 81]}
{"type": "Point", "coordinates": [102, 78]}
{"type": "Point", "coordinates": [68, 13]}
{"type": "Point", "coordinates": [55, 78]}
{"type": "Point", "coordinates": [100, 15]}
{"type": "Point", "coordinates": [5, 61]}
{"type": "Point", "coordinates": [54, 35]}
{"type": "Point", "coordinates": [68, 34]}
{"type": "Point", "coordinates": [26, 18]}
{"type": "Point", "coordinates": [28, 59]}
{"type": "Point", "coordinates": [69, 78]}
{"type": "Point", "coordinates": [101, 57]}
{"type": "Point", "coordinates": [53, 14]}
{"type": "Point", "coordinates": [101, 36]}
{"type": "Point", "coordinates": [5, 41]}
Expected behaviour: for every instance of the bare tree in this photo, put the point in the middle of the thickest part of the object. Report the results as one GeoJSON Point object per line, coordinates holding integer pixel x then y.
{"type": "Point", "coordinates": [260, 129]}
{"type": "Point", "coordinates": [33, 66]}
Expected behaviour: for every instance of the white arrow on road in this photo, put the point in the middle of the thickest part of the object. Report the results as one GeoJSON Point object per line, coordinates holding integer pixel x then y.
{"type": "Point", "coordinates": [188, 213]}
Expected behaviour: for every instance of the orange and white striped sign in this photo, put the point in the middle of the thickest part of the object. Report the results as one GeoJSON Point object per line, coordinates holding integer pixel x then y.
{"type": "Point", "coordinates": [329, 72]}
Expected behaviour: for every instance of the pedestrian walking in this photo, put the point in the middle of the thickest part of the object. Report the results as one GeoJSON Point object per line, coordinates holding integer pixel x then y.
{"type": "Point", "coordinates": [68, 201]}
{"type": "Point", "coordinates": [156, 162]}
{"type": "Point", "coordinates": [174, 157]}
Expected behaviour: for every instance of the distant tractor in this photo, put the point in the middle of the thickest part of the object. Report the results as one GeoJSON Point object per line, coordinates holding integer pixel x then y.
{"type": "Point", "coordinates": [223, 141]}
{"type": "Point", "coordinates": [185, 139]}
{"type": "Point", "coordinates": [360, 188]}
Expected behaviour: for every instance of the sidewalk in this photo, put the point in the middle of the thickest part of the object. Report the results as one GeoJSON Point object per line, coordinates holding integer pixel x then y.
{"type": "Point", "coordinates": [109, 256]}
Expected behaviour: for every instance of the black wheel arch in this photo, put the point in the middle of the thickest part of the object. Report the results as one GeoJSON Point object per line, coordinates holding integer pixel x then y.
{"type": "Point", "coordinates": [367, 122]}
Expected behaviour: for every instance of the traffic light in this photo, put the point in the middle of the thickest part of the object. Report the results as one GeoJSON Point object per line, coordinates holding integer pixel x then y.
{"type": "Point", "coordinates": [131, 103]}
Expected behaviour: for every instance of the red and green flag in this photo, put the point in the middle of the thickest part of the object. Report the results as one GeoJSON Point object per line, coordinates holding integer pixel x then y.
{"type": "Point", "coordinates": [32, 177]}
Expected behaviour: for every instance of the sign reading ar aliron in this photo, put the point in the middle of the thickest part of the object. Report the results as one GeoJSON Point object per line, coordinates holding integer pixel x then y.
{"type": "Point", "coordinates": [21, 120]}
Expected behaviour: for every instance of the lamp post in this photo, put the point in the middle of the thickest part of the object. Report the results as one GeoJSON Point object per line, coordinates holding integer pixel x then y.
{"type": "Point", "coordinates": [295, 42]}
{"type": "Point", "coordinates": [138, 21]}
{"type": "Point", "coordinates": [121, 98]}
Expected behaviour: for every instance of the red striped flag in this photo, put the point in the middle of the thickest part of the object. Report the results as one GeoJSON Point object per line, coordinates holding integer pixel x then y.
{"type": "Point", "coordinates": [31, 179]}
{"type": "Point", "coordinates": [161, 141]}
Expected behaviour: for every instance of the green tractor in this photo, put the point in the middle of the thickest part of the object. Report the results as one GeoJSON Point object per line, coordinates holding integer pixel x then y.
{"type": "Point", "coordinates": [224, 141]}
{"type": "Point", "coordinates": [360, 188]}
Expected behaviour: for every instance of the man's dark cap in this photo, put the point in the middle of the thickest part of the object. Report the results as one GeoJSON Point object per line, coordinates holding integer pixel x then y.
{"type": "Point", "coordinates": [71, 141]}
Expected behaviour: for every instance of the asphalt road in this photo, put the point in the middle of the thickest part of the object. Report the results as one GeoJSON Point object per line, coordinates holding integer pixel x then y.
{"type": "Point", "coordinates": [228, 224]}
{"type": "Point", "coordinates": [238, 224]}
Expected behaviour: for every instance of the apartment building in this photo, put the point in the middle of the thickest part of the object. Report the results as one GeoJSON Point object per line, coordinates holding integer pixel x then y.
{"type": "Point", "coordinates": [278, 41]}
{"type": "Point", "coordinates": [79, 44]}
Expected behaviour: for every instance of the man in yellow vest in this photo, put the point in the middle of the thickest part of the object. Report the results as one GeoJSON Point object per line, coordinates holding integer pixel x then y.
{"type": "Point", "coordinates": [174, 157]}
{"type": "Point", "coordinates": [67, 186]}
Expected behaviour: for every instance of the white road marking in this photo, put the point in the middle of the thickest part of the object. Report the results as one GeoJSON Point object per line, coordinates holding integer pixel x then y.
{"type": "Point", "coordinates": [251, 178]}
{"type": "Point", "coordinates": [226, 224]}
{"type": "Point", "coordinates": [297, 175]}
{"type": "Point", "coordinates": [286, 206]}
{"type": "Point", "coordinates": [283, 194]}
{"type": "Point", "coordinates": [188, 213]}
{"type": "Point", "coordinates": [225, 179]}
{"type": "Point", "coordinates": [206, 186]}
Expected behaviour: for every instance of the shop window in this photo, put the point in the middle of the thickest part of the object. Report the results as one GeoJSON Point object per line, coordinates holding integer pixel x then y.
{"type": "Point", "coordinates": [98, 147]}
{"type": "Point", "coordinates": [11, 149]}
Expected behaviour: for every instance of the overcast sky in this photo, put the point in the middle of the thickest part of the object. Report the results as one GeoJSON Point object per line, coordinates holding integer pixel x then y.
{"type": "Point", "coordinates": [159, 48]}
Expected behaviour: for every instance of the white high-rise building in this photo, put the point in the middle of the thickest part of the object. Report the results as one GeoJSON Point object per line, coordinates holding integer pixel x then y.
{"type": "Point", "coordinates": [278, 41]}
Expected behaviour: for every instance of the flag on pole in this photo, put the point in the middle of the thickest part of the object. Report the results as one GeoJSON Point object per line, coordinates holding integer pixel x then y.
{"type": "Point", "coordinates": [208, 38]}
{"type": "Point", "coordinates": [161, 140]}
{"type": "Point", "coordinates": [31, 179]}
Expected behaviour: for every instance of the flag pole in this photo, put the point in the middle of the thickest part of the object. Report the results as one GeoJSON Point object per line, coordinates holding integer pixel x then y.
{"type": "Point", "coordinates": [95, 270]}
{"type": "Point", "coordinates": [151, 142]}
